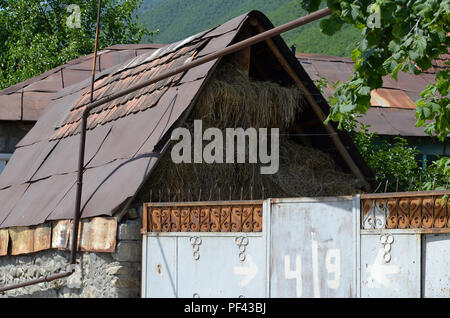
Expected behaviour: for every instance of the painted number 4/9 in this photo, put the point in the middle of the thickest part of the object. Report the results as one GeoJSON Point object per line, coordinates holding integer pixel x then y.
{"type": "Point", "coordinates": [332, 265]}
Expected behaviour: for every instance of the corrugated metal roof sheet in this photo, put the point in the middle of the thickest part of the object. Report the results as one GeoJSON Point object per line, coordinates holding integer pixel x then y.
{"type": "Point", "coordinates": [335, 68]}
{"type": "Point", "coordinates": [393, 111]}
{"type": "Point", "coordinates": [27, 100]}
{"type": "Point", "coordinates": [392, 122]}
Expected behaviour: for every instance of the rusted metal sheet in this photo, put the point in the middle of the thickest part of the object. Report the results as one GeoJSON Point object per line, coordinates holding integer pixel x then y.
{"type": "Point", "coordinates": [24, 163]}
{"type": "Point", "coordinates": [50, 84]}
{"type": "Point", "coordinates": [34, 104]}
{"type": "Point", "coordinates": [42, 237]}
{"type": "Point", "coordinates": [126, 137]}
{"type": "Point", "coordinates": [234, 216]}
{"type": "Point", "coordinates": [426, 210]}
{"type": "Point", "coordinates": [181, 98]}
{"type": "Point", "coordinates": [41, 197]}
{"type": "Point", "coordinates": [392, 121]}
{"type": "Point", "coordinates": [391, 98]}
{"type": "Point", "coordinates": [228, 26]}
{"type": "Point", "coordinates": [95, 235]}
{"type": "Point", "coordinates": [22, 240]}
{"type": "Point", "coordinates": [25, 240]}
{"type": "Point", "coordinates": [98, 235]}
{"type": "Point", "coordinates": [403, 120]}
{"type": "Point", "coordinates": [9, 198]}
{"type": "Point", "coordinates": [334, 71]}
{"type": "Point", "coordinates": [60, 234]}
{"type": "Point", "coordinates": [61, 160]}
{"type": "Point", "coordinates": [4, 242]}
{"type": "Point", "coordinates": [51, 117]}
{"type": "Point", "coordinates": [216, 44]}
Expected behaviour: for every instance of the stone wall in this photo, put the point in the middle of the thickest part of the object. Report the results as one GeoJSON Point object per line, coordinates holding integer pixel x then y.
{"type": "Point", "coordinates": [11, 133]}
{"type": "Point", "coordinates": [112, 275]}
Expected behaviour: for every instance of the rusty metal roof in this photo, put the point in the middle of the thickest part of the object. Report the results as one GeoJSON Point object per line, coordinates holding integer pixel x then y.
{"type": "Point", "coordinates": [125, 137]}
{"type": "Point", "coordinates": [398, 94]}
{"type": "Point", "coordinates": [393, 105]}
{"type": "Point", "coordinates": [38, 184]}
{"type": "Point", "coordinates": [27, 100]}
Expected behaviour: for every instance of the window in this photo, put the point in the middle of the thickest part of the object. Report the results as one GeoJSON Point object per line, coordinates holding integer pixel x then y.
{"type": "Point", "coordinates": [4, 158]}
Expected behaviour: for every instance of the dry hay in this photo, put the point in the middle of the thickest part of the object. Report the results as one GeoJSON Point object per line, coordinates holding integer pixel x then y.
{"type": "Point", "coordinates": [231, 99]}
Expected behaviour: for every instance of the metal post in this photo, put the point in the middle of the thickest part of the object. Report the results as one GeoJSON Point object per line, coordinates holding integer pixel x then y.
{"type": "Point", "coordinates": [48, 278]}
{"type": "Point", "coordinates": [77, 214]}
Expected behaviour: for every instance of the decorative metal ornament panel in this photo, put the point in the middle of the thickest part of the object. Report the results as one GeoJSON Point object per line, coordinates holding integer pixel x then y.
{"type": "Point", "coordinates": [236, 216]}
{"type": "Point", "coordinates": [424, 210]}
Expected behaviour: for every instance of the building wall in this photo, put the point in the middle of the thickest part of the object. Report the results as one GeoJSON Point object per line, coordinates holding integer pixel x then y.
{"type": "Point", "coordinates": [111, 275]}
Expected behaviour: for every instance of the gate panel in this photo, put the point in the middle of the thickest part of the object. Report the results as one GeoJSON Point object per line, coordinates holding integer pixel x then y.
{"type": "Point", "coordinates": [312, 251]}
{"type": "Point", "coordinates": [390, 264]}
{"type": "Point", "coordinates": [228, 266]}
{"type": "Point", "coordinates": [436, 267]}
{"type": "Point", "coordinates": [159, 267]}
{"type": "Point", "coordinates": [205, 249]}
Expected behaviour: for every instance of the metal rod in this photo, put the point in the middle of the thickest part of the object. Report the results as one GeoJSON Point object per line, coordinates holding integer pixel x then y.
{"type": "Point", "coordinates": [76, 222]}
{"type": "Point", "coordinates": [77, 213]}
{"type": "Point", "coordinates": [378, 187]}
{"type": "Point", "coordinates": [410, 184]}
{"type": "Point", "coordinates": [48, 278]}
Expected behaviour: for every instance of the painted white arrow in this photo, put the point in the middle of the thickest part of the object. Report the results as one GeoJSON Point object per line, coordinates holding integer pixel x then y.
{"type": "Point", "coordinates": [379, 273]}
{"type": "Point", "coordinates": [248, 271]}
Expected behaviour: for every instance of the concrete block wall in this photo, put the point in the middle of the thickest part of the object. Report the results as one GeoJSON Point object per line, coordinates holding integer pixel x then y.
{"type": "Point", "coordinates": [109, 275]}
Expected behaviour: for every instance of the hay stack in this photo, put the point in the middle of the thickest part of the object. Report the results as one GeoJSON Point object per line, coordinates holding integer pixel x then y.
{"type": "Point", "coordinates": [231, 99]}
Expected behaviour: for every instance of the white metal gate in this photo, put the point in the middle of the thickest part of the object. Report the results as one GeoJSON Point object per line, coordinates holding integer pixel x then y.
{"type": "Point", "coordinates": [367, 246]}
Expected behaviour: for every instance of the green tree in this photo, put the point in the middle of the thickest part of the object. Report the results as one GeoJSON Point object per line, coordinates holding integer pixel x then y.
{"type": "Point", "coordinates": [395, 162]}
{"type": "Point", "coordinates": [36, 36]}
{"type": "Point", "coordinates": [397, 35]}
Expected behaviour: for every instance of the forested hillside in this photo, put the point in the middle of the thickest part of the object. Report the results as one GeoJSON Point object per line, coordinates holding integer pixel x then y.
{"type": "Point", "coordinates": [177, 19]}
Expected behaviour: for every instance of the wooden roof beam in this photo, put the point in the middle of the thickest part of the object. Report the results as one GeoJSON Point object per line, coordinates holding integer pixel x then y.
{"type": "Point", "coordinates": [320, 114]}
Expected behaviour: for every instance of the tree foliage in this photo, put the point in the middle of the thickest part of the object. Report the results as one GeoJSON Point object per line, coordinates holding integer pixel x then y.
{"type": "Point", "coordinates": [36, 36]}
{"type": "Point", "coordinates": [398, 35]}
{"type": "Point", "coordinates": [395, 163]}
